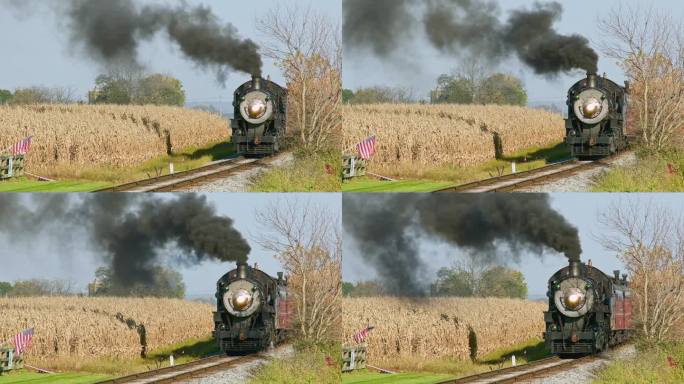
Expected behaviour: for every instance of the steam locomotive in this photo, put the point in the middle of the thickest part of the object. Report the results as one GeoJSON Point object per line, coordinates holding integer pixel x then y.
{"type": "Point", "coordinates": [589, 311]}
{"type": "Point", "coordinates": [253, 310]}
{"type": "Point", "coordinates": [597, 117]}
{"type": "Point", "coordinates": [260, 117]}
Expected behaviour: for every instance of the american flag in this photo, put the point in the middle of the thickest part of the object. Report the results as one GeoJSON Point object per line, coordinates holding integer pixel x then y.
{"type": "Point", "coordinates": [360, 336]}
{"type": "Point", "coordinates": [367, 148]}
{"type": "Point", "coordinates": [22, 147]}
{"type": "Point", "coordinates": [23, 340]}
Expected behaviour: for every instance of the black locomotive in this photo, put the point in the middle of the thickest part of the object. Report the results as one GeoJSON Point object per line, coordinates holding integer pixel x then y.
{"type": "Point", "coordinates": [253, 310]}
{"type": "Point", "coordinates": [597, 117]}
{"type": "Point", "coordinates": [588, 310]}
{"type": "Point", "coordinates": [260, 117]}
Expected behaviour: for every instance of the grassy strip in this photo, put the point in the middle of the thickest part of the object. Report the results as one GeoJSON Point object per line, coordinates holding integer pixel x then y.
{"type": "Point", "coordinates": [431, 179]}
{"type": "Point", "coordinates": [24, 377]}
{"type": "Point", "coordinates": [307, 173]}
{"type": "Point", "coordinates": [89, 179]}
{"type": "Point", "coordinates": [309, 365]}
{"type": "Point", "coordinates": [648, 366]}
{"type": "Point", "coordinates": [429, 371]}
{"type": "Point", "coordinates": [653, 173]}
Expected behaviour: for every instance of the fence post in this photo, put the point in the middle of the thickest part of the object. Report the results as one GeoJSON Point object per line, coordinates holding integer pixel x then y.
{"type": "Point", "coordinates": [10, 363]}
{"type": "Point", "coordinates": [10, 170]}
{"type": "Point", "coordinates": [513, 168]}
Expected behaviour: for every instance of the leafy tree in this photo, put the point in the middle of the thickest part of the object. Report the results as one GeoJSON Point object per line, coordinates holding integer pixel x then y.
{"type": "Point", "coordinates": [454, 282]}
{"type": "Point", "coordinates": [347, 288]}
{"type": "Point", "coordinates": [41, 287]}
{"type": "Point", "coordinates": [363, 289]}
{"type": "Point", "coordinates": [347, 96]}
{"type": "Point", "coordinates": [5, 96]}
{"type": "Point", "coordinates": [455, 90]}
{"type": "Point", "coordinates": [42, 95]}
{"type": "Point", "coordinates": [503, 282]}
{"type": "Point", "coordinates": [502, 89]}
{"type": "Point", "coordinates": [379, 95]}
{"type": "Point", "coordinates": [5, 288]}
{"type": "Point", "coordinates": [160, 90]}
{"type": "Point", "coordinates": [164, 282]}
{"type": "Point", "coordinates": [110, 90]}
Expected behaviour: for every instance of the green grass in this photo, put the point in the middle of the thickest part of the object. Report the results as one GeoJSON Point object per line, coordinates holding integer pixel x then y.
{"type": "Point", "coordinates": [431, 179]}
{"type": "Point", "coordinates": [650, 365]}
{"type": "Point", "coordinates": [367, 377]}
{"type": "Point", "coordinates": [307, 366]}
{"type": "Point", "coordinates": [416, 370]}
{"type": "Point", "coordinates": [650, 174]}
{"type": "Point", "coordinates": [307, 173]}
{"type": "Point", "coordinates": [25, 377]}
{"type": "Point", "coordinates": [88, 179]}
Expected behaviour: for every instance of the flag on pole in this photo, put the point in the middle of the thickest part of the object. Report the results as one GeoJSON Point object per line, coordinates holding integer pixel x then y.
{"type": "Point", "coordinates": [22, 147]}
{"type": "Point", "coordinates": [23, 340]}
{"type": "Point", "coordinates": [366, 148]}
{"type": "Point", "coordinates": [360, 336]}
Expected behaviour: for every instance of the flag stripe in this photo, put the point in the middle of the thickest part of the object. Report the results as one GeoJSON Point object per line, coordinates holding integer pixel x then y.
{"type": "Point", "coordinates": [22, 340]}
{"type": "Point", "coordinates": [22, 147]}
{"type": "Point", "coordinates": [366, 148]}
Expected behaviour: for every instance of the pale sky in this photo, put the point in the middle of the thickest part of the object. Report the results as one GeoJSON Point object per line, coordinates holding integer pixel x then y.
{"type": "Point", "coordinates": [580, 209]}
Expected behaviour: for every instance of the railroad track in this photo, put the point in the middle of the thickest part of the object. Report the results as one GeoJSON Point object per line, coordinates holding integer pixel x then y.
{"type": "Point", "coordinates": [545, 174]}
{"type": "Point", "coordinates": [520, 373]}
{"type": "Point", "coordinates": [183, 372]}
{"type": "Point", "coordinates": [193, 177]}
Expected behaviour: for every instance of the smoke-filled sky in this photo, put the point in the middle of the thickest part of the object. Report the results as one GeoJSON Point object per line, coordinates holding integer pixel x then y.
{"type": "Point", "coordinates": [60, 243]}
{"type": "Point", "coordinates": [44, 47]}
{"type": "Point", "coordinates": [411, 47]}
{"type": "Point", "coordinates": [445, 246]}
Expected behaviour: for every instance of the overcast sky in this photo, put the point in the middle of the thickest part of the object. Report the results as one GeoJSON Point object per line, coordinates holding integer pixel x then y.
{"type": "Point", "coordinates": [580, 209]}
{"type": "Point", "coordinates": [73, 260]}
{"type": "Point", "coordinates": [36, 50]}
{"type": "Point", "coordinates": [417, 68]}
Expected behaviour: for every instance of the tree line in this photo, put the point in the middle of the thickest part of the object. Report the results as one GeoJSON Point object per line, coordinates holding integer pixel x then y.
{"type": "Point", "coordinates": [121, 87]}
{"type": "Point", "coordinates": [460, 281]}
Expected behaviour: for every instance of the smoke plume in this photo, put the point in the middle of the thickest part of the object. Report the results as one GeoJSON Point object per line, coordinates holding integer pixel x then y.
{"type": "Point", "coordinates": [111, 32]}
{"type": "Point", "coordinates": [492, 227]}
{"type": "Point", "coordinates": [458, 26]}
{"type": "Point", "coordinates": [129, 232]}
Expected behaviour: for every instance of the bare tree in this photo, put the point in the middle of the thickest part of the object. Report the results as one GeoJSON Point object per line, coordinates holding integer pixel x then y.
{"type": "Point", "coordinates": [650, 47]}
{"type": "Point", "coordinates": [307, 241]}
{"type": "Point", "coordinates": [649, 239]}
{"type": "Point", "coordinates": [307, 46]}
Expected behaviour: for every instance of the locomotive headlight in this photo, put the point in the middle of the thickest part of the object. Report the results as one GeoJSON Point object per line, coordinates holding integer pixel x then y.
{"type": "Point", "coordinates": [256, 109]}
{"type": "Point", "coordinates": [241, 300]}
{"type": "Point", "coordinates": [591, 108]}
{"type": "Point", "coordinates": [574, 299]}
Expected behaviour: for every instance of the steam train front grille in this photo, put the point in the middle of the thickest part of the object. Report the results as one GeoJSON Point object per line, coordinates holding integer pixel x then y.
{"type": "Point", "coordinates": [579, 347]}
{"type": "Point", "coordinates": [251, 149]}
{"type": "Point", "coordinates": [248, 345]}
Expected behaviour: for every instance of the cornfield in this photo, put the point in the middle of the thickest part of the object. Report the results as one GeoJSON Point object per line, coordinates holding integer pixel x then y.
{"type": "Point", "coordinates": [74, 136]}
{"type": "Point", "coordinates": [432, 328]}
{"type": "Point", "coordinates": [456, 135]}
{"type": "Point", "coordinates": [90, 328]}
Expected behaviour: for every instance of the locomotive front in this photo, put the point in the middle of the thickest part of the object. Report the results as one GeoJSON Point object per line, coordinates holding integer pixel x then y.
{"type": "Point", "coordinates": [259, 118]}
{"type": "Point", "coordinates": [597, 114]}
{"type": "Point", "coordinates": [243, 319]}
{"type": "Point", "coordinates": [588, 311]}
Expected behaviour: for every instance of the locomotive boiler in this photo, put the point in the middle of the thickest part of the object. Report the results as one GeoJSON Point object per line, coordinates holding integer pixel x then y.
{"type": "Point", "coordinates": [597, 117]}
{"type": "Point", "coordinates": [589, 311]}
{"type": "Point", "coordinates": [253, 310]}
{"type": "Point", "coordinates": [260, 117]}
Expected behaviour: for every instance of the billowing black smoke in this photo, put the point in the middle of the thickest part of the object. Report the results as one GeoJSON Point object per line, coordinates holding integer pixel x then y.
{"type": "Point", "coordinates": [493, 227]}
{"type": "Point", "coordinates": [474, 26]}
{"type": "Point", "coordinates": [111, 32]}
{"type": "Point", "coordinates": [129, 232]}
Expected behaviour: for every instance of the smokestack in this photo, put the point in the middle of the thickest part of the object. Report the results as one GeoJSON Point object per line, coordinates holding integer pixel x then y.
{"type": "Point", "coordinates": [242, 270]}
{"type": "Point", "coordinates": [616, 274]}
{"type": "Point", "coordinates": [280, 276]}
{"type": "Point", "coordinates": [575, 266]}
{"type": "Point", "coordinates": [256, 82]}
{"type": "Point", "coordinates": [591, 80]}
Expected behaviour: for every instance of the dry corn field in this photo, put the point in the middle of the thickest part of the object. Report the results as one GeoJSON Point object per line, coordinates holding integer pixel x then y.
{"type": "Point", "coordinates": [112, 136]}
{"type": "Point", "coordinates": [438, 327]}
{"type": "Point", "coordinates": [457, 135]}
{"type": "Point", "coordinates": [88, 328]}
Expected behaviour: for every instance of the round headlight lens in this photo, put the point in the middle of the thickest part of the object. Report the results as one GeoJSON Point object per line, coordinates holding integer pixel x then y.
{"type": "Point", "coordinates": [256, 109]}
{"type": "Point", "coordinates": [574, 299]}
{"type": "Point", "coordinates": [591, 108]}
{"type": "Point", "coordinates": [241, 300]}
